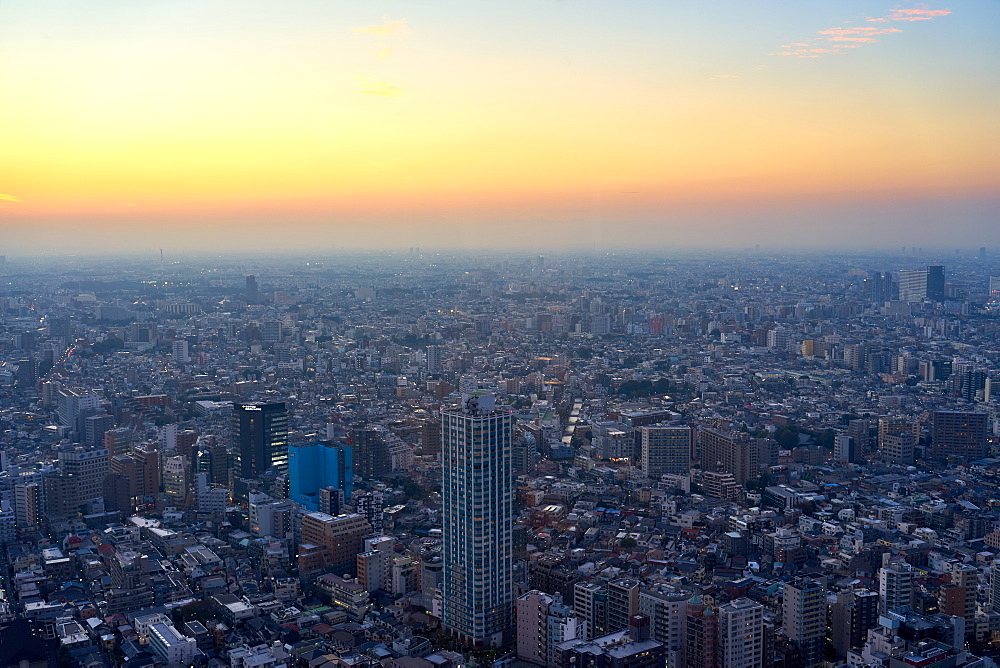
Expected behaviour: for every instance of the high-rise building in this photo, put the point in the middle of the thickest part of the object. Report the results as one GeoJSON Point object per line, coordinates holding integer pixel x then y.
{"type": "Point", "coordinates": [434, 358]}
{"type": "Point", "coordinates": [854, 613]}
{"type": "Point", "coordinates": [339, 539]}
{"type": "Point", "coordinates": [370, 504]}
{"type": "Point", "coordinates": [726, 452]}
{"type": "Point", "coordinates": [177, 480]}
{"type": "Point", "coordinates": [623, 603]}
{"type": "Point", "coordinates": [935, 283]}
{"type": "Point", "coordinates": [897, 438]}
{"type": "Point", "coordinates": [180, 351]}
{"type": "Point", "coordinates": [804, 618]}
{"type": "Point", "coordinates": [28, 504]}
{"type": "Point", "coordinates": [313, 466]}
{"type": "Point", "coordinates": [958, 597]}
{"type": "Point", "coordinates": [666, 450]}
{"type": "Point", "coordinates": [372, 459]}
{"type": "Point", "coordinates": [212, 458]}
{"type": "Point", "coordinates": [701, 635]}
{"type": "Point", "coordinates": [94, 428]}
{"type": "Point", "coordinates": [741, 634]}
{"type": "Point", "coordinates": [995, 586]}
{"type": "Point", "coordinates": [843, 449]}
{"type": "Point", "coordinates": [897, 448]}
{"type": "Point", "coordinates": [880, 287]}
{"type": "Point", "coordinates": [430, 436]}
{"type": "Point", "coordinates": [118, 493]}
{"type": "Point", "coordinates": [895, 584]}
{"type": "Point", "coordinates": [543, 621]}
{"type": "Point", "coordinates": [87, 466]}
{"type": "Point", "coordinates": [590, 603]}
{"type": "Point", "coordinates": [861, 431]}
{"type": "Point", "coordinates": [118, 441]}
{"type": "Point", "coordinates": [273, 517]}
{"type": "Point", "coordinates": [261, 433]}
{"type": "Point", "coordinates": [913, 285]}
{"type": "Point", "coordinates": [890, 426]}
{"type": "Point", "coordinates": [960, 434]}
{"type": "Point", "coordinates": [478, 517]}
{"type": "Point", "coordinates": [253, 296]}
{"type": "Point", "coordinates": [667, 611]}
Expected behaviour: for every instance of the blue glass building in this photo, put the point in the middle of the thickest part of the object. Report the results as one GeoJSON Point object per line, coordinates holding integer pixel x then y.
{"type": "Point", "coordinates": [312, 466]}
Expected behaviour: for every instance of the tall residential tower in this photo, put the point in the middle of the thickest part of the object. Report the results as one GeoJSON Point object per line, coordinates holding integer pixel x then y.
{"type": "Point", "coordinates": [478, 516]}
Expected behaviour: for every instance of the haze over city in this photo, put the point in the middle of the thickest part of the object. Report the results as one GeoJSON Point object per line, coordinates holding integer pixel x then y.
{"type": "Point", "coordinates": [250, 126]}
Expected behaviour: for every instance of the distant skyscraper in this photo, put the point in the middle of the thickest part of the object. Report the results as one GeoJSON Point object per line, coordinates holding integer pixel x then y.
{"type": "Point", "coordinates": [261, 433]}
{"type": "Point", "coordinates": [313, 466]}
{"type": "Point", "coordinates": [251, 287]}
{"type": "Point", "coordinates": [935, 283]}
{"type": "Point", "coordinates": [913, 285]}
{"type": "Point", "coordinates": [881, 288]}
{"type": "Point", "coordinates": [478, 517]}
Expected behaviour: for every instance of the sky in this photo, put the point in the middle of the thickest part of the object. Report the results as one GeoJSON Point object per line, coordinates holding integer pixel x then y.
{"type": "Point", "coordinates": [319, 124]}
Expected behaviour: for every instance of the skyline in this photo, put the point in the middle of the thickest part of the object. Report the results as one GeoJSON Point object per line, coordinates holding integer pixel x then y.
{"type": "Point", "coordinates": [573, 124]}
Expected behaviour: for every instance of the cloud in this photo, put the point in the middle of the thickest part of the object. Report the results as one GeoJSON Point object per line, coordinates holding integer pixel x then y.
{"type": "Point", "coordinates": [9, 198]}
{"type": "Point", "coordinates": [859, 30]}
{"type": "Point", "coordinates": [840, 38]}
{"type": "Point", "coordinates": [381, 88]}
{"type": "Point", "coordinates": [916, 14]}
{"type": "Point", "coordinates": [852, 37]}
{"type": "Point", "coordinates": [382, 54]}
{"type": "Point", "coordinates": [725, 76]}
{"type": "Point", "coordinates": [388, 30]}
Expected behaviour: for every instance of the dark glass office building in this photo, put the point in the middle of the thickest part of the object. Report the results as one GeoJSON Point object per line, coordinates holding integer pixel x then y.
{"type": "Point", "coordinates": [261, 433]}
{"type": "Point", "coordinates": [935, 283]}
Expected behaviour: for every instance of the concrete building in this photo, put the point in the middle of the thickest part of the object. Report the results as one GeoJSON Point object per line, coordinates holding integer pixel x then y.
{"type": "Point", "coordinates": [804, 618]}
{"type": "Point", "coordinates": [340, 540]}
{"type": "Point", "coordinates": [478, 515]}
{"type": "Point", "coordinates": [666, 450]}
{"type": "Point", "coordinates": [741, 634]}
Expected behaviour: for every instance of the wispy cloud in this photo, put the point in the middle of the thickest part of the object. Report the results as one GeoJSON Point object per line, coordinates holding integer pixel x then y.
{"type": "Point", "coordinates": [858, 30]}
{"type": "Point", "coordinates": [381, 88]}
{"type": "Point", "coordinates": [389, 29]}
{"type": "Point", "coordinates": [916, 14]}
{"type": "Point", "coordinates": [9, 198]}
{"type": "Point", "coordinates": [382, 54]}
{"type": "Point", "coordinates": [834, 40]}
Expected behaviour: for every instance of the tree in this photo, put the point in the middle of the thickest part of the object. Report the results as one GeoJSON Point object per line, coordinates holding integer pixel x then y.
{"type": "Point", "coordinates": [628, 542]}
{"type": "Point", "coordinates": [787, 437]}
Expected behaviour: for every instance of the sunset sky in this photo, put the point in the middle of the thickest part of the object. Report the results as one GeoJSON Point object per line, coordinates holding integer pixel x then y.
{"type": "Point", "coordinates": [208, 124]}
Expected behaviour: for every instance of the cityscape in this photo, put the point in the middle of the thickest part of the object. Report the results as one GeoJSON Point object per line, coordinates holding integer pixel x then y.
{"type": "Point", "coordinates": [415, 459]}
{"type": "Point", "coordinates": [523, 334]}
